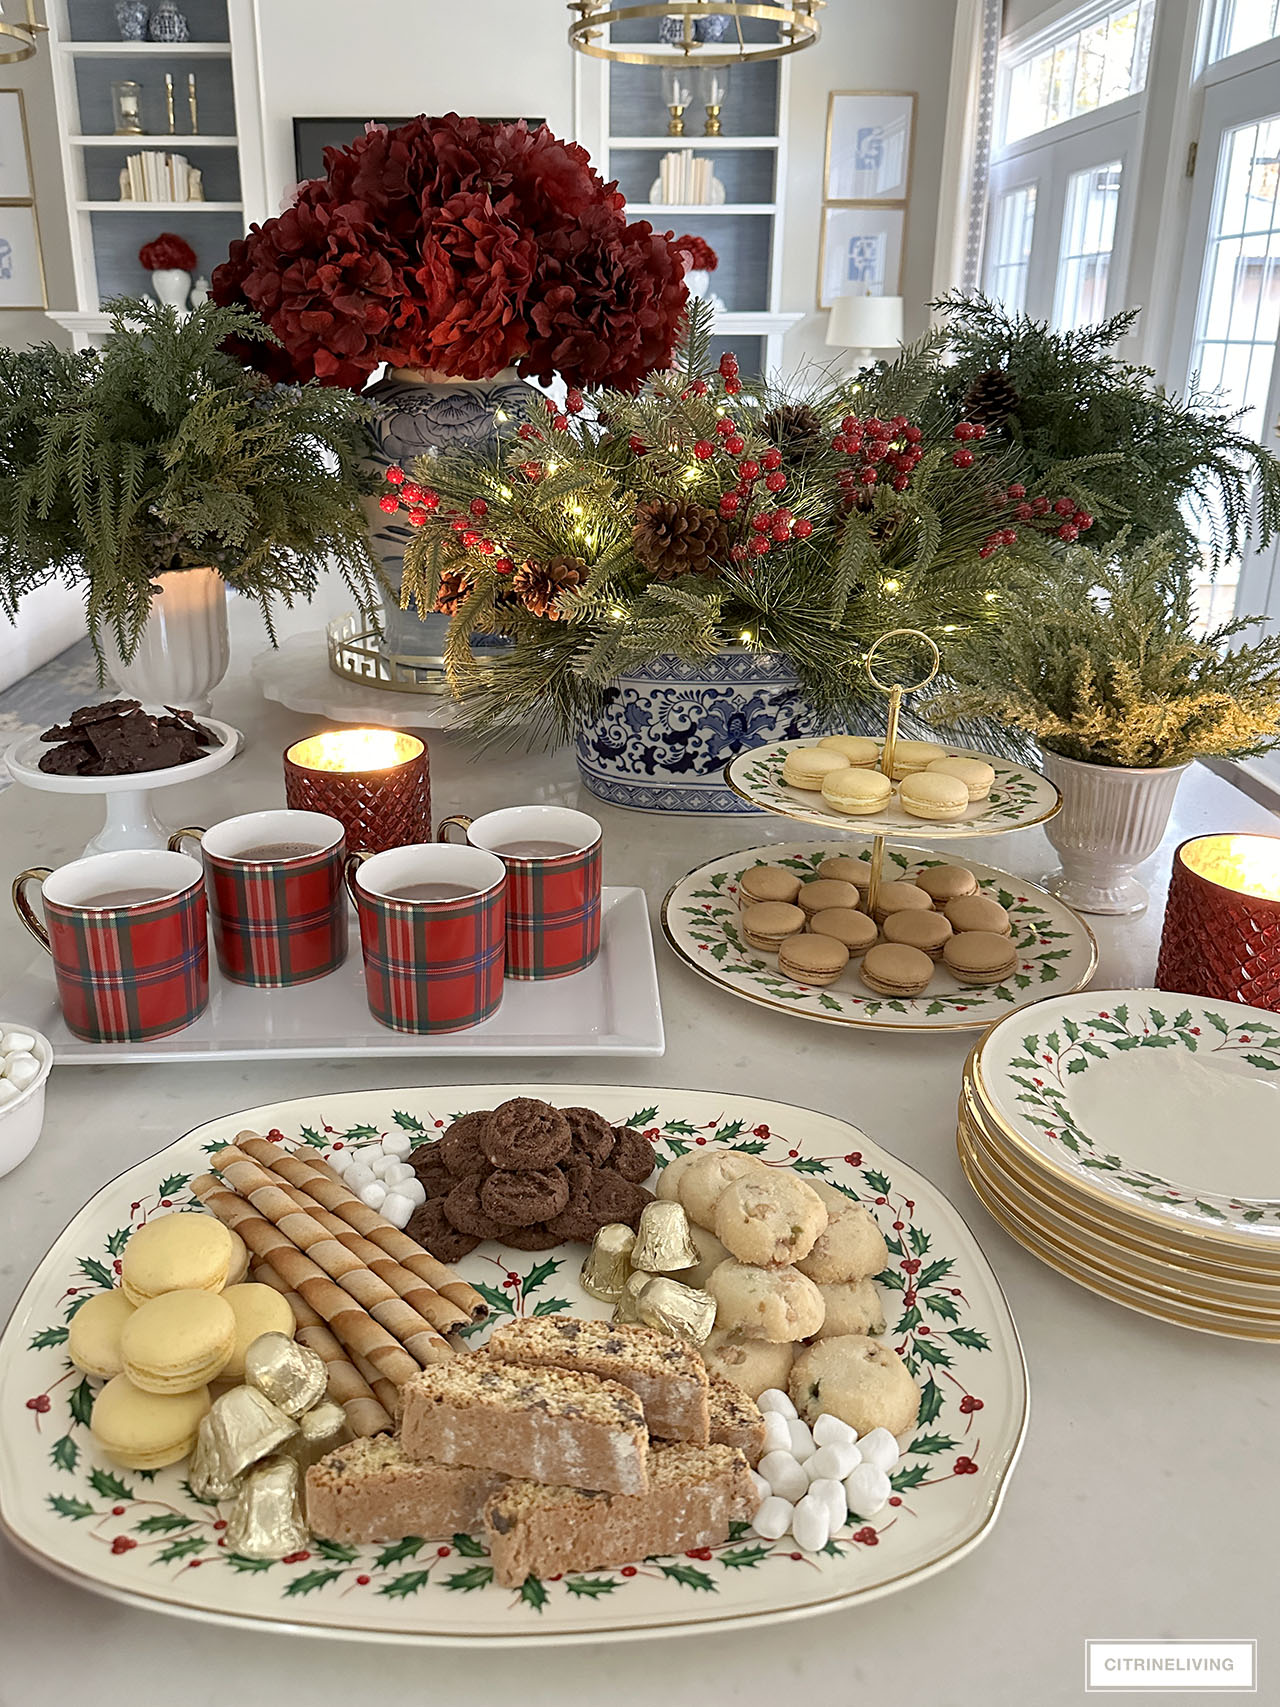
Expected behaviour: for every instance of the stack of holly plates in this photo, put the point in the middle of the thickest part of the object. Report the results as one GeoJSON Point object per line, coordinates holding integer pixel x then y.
{"type": "Point", "coordinates": [1131, 1140]}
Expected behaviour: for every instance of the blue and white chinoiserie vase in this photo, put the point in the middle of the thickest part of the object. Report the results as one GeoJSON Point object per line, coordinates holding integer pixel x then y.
{"type": "Point", "coordinates": [421, 414]}
{"type": "Point", "coordinates": [667, 730]}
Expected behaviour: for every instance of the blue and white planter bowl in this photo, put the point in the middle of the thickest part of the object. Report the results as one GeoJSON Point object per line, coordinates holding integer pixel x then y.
{"type": "Point", "coordinates": [668, 729]}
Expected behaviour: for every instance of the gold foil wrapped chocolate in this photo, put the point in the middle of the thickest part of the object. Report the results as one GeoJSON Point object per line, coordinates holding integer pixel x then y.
{"type": "Point", "coordinates": [266, 1520]}
{"type": "Point", "coordinates": [240, 1427]}
{"type": "Point", "coordinates": [663, 1245]}
{"type": "Point", "coordinates": [320, 1430]}
{"type": "Point", "coordinates": [625, 1309]}
{"type": "Point", "coordinates": [608, 1264]}
{"type": "Point", "coordinates": [675, 1309]}
{"type": "Point", "coordinates": [290, 1375]}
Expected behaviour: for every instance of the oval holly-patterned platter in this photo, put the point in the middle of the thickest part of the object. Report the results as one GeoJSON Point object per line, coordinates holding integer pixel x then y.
{"type": "Point", "coordinates": [145, 1538]}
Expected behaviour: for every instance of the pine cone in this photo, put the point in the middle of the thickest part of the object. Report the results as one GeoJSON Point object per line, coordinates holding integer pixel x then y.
{"type": "Point", "coordinates": [675, 536]}
{"type": "Point", "coordinates": [991, 399]}
{"type": "Point", "coordinates": [539, 585]}
{"type": "Point", "coordinates": [795, 428]}
{"type": "Point", "coordinates": [454, 588]}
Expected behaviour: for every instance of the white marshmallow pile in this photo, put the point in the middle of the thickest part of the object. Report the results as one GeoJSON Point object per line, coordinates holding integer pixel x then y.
{"type": "Point", "coordinates": [381, 1176]}
{"type": "Point", "coordinates": [810, 1481]}
{"type": "Point", "coordinates": [19, 1065]}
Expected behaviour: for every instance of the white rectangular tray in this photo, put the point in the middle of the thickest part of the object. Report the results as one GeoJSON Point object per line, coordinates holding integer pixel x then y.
{"type": "Point", "coordinates": [611, 1008]}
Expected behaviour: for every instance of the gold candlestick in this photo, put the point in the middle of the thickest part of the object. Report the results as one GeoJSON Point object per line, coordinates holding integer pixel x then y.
{"type": "Point", "coordinates": [191, 103]}
{"type": "Point", "coordinates": [168, 102]}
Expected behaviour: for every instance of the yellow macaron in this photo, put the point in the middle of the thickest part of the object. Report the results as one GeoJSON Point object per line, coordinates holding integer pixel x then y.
{"type": "Point", "coordinates": [928, 794]}
{"type": "Point", "coordinates": [858, 749]}
{"type": "Point", "coordinates": [258, 1310]}
{"type": "Point", "coordinates": [176, 1253]}
{"type": "Point", "coordinates": [911, 756]}
{"type": "Point", "coordinates": [976, 774]}
{"type": "Point", "coordinates": [146, 1431]}
{"type": "Point", "coordinates": [856, 792]}
{"type": "Point", "coordinates": [93, 1338]}
{"type": "Point", "coordinates": [808, 767]}
{"type": "Point", "coordinates": [178, 1342]}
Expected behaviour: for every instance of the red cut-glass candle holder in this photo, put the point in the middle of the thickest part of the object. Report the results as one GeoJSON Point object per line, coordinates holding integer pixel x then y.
{"type": "Point", "coordinates": [376, 782]}
{"type": "Point", "coordinates": [1222, 922]}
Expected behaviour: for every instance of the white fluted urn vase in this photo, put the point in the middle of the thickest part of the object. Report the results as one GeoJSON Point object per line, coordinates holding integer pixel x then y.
{"type": "Point", "coordinates": [1112, 819]}
{"type": "Point", "coordinates": [184, 649]}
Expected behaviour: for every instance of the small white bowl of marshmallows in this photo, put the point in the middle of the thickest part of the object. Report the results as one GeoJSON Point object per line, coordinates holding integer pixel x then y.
{"type": "Point", "coordinates": [25, 1059]}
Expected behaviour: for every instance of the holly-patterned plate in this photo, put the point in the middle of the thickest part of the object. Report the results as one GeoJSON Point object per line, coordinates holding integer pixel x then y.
{"type": "Point", "coordinates": [1164, 1106]}
{"type": "Point", "coordinates": [144, 1538]}
{"type": "Point", "coordinates": [1021, 797]}
{"type": "Point", "coordinates": [700, 921]}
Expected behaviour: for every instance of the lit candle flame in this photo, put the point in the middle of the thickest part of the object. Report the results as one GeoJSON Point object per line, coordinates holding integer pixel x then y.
{"type": "Point", "coordinates": [355, 750]}
{"type": "Point", "coordinates": [1249, 865]}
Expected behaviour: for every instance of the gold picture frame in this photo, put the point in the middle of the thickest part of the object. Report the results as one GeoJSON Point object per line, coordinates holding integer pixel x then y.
{"type": "Point", "coordinates": [870, 146]}
{"type": "Point", "coordinates": [22, 274]}
{"type": "Point", "coordinates": [879, 262]}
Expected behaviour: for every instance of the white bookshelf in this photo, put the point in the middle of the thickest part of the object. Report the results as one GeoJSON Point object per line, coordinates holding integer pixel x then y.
{"type": "Point", "coordinates": [106, 230]}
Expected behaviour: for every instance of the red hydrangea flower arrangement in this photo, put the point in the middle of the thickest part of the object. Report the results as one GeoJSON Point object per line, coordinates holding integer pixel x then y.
{"type": "Point", "coordinates": [167, 251]}
{"type": "Point", "coordinates": [459, 247]}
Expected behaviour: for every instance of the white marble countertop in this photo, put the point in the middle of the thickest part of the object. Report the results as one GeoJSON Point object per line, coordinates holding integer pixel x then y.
{"type": "Point", "coordinates": [1146, 1502]}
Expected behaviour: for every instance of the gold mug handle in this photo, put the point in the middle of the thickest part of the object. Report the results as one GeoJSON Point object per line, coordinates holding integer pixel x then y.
{"type": "Point", "coordinates": [23, 907]}
{"type": "Point", "coordinates": [463, 823]}
{"type": "Point", "coordinates": [179, 836]}
{"type": "Point", "coordinates": [350, 866]}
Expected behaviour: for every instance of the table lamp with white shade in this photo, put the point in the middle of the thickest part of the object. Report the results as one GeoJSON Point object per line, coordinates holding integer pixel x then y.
{"type": "Point", "coordinates": [864, 324]}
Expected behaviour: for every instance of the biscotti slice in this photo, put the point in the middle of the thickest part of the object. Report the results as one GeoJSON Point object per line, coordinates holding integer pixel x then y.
{"type": "Point", "coordinates": [695, 1492]}
{"type": "Point", "coordinates": [666, 1375]}
{"type": "Point", "coordinates": [735, 1419]}
{"type": "Point", "coordinates": [543, 1424]}
{"type": "Point", "coordinates": [369, 1491]}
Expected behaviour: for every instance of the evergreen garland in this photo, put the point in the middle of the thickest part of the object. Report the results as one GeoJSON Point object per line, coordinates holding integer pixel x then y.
{"type": "Point", "coordinates": [161, 452]}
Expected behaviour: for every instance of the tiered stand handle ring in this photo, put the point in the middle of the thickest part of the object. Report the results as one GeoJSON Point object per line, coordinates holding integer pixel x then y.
{"type": "Point", "coordinates": [895, 691]}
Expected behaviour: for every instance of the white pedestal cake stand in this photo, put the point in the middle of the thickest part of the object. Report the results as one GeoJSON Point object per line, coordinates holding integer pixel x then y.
{"type": "Point", "coordinates": [130, 821]}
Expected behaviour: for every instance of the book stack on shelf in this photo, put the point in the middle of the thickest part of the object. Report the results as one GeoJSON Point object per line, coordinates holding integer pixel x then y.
{"type": "Point", "coordinates": [687, 180]}
{"type": "Point", "coordinates": [154, 177]}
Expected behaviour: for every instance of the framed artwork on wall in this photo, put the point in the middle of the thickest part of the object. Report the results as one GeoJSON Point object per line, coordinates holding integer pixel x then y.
{"type": "Point", "coordinates": [21, 264]}
{"type": "Point", "coordinates": [861, 251]}
{"type": "Point", "coordinates": [869, 144]}
{"type": "Point", "coordinates": [15, 156]}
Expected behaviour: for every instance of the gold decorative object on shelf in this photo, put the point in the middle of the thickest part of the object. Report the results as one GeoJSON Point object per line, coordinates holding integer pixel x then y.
{"type": "Point", "coordinates": [168, 102]}
{"type": "Point", "coordinates": [126, 107]}
{"type": "Point", "coordinates": [18, 40]}
{"type": "Point", "coordinates": [677, 92]}
{"type": "Point", "coordinates": [191, 103]}
{"type": "Point", "coordinates": [699, 43]}
{"type": "Point", "coordinates": [713, 93]}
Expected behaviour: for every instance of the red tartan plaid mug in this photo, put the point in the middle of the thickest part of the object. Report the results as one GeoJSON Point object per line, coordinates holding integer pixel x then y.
{"type": "Point", "coordinates": [129, 937]}
{"type": "Point", "coordinates": [433, 934]}
{"type": "Point", "coordinates": [552, 856]}
{"type": "Point", "coordinates": [276, 896]}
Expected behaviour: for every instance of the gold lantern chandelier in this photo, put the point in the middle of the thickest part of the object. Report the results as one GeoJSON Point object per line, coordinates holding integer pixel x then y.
{"type": "Point", "coordinates": [18, 40]}
{"type": "Point", "coordinates": [699, 32]}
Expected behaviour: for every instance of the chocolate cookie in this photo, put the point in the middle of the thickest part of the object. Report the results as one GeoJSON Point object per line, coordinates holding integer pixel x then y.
{"type": "Point", "coordinates": [460, 1149]}
{"type": "Point", "coordinates": [632, 1155]}
{"type": "Point", "coordinates": [464, 1211]}
{"type": "Point", "coordinates": [577, 1221]}
{"type": "Point", "coordinates": [616, 1199]}
{"type": "Point", "coordinates": [526, 1133]}
{"type": "Point", "coordinates": [523, 1199]}
{"type": "Point", "coordinates": [592, 1134]}
{"type": "Point", "coordinates": [435, 1233]}
{"type": "Point", "coordinates": [539, 1238]}
{"type": "Point", "coordinates": [428, 1164]}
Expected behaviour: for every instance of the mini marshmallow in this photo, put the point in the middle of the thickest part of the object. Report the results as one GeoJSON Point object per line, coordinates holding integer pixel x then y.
{"type": "Point", "coordinates": [397, 1208]}
{"type": "Point", "coordinates": [867, 1490]}
{"type": "Point", "coordinates": [801, 1439]}
{"type": "Point", "coordinates": [413, 1189]}
{"type": "Point", "coordinates": [777, 1436]}
{"type": "Point", "coordinates": [830, 1431]}
{"type": "Point", "coordinates": [397, 1145]}
{"type": "Point", "coordinates": [8, 1092]}
{"type": "Point", "coordinates": [397, 1172]}
{"type": "Point", "coordinates": [358, 1175]}
{"type": "Point", "coordinates": [21, 1070]}
{"type": "Point", "coordinates": [762, 1488]}
{"type": "Point", "coordinates": [831, 1493]}
{"type": "Point", "coordinates": [380, 1165]}
{"type": "Point", "coordinates": [833, 1461]}
{"type": "Point", "coordinates": [773, 1519]}
{"type": "Point", "coordinates": [879, 1448]}
{"type": "Point", "coordinates": [811, 1523]}
{"type": "Point", "coordinates": [785, 1477]}
{"type": "Point", "coordinates": [17, 1043]}
{"type": "Point", "coordinates": [374, 1194]}
{"type": "Point", "coordinates": [340, 1160]}
{"type": "Point", "coordinates": [774, 1399]}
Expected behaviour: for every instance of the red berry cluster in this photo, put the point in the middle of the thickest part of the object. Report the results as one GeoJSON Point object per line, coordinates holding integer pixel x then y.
{"type": "Point", "coordinates": [729, 373]}
{"type": "Point", "coordinates": [768, 527]}
{"type": "Point", "coordinates": [964, 431]}
{"type": "Point", "coordinates": [1061, 516]}
{"type": "Point", "coordinates": [894, 444]}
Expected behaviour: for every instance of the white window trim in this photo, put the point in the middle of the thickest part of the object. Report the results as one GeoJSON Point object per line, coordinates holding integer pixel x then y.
{"type": "Point", "coordinates": [1023, 44]}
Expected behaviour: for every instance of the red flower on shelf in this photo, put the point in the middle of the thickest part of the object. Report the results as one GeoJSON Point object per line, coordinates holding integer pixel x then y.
{"type": "Point", "coordinates": [167, 251]}
{"type": "Point", "coordinates": [458, 247]}
{"type": "Point", "coordinates": [697, 254]}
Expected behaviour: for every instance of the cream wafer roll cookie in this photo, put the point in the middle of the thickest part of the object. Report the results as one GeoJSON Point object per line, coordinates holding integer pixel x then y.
{"type": "Point", "coordinates": [320, 1182]}
{"type": "Point", "coordinates": [365, 1413]}
{"type": "Point", "coordinates": [442, 1315]}
{"type": "Point", "coordinates": [387, 1393]}
{"type": "Point", "coordinates": [354, 1326]}
{"type": "Point", "coordinates": [382, 1302]}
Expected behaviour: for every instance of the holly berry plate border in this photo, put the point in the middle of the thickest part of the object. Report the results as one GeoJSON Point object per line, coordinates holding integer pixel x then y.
{"type": "Point", "coordinates": [1020, 798]}
{"type": "Point", "coordinates": [145, 1539]}
{"type": "Point", "coordinates": [700, 923]}
{"type": "Point", "coordinates": [1025, 1068]}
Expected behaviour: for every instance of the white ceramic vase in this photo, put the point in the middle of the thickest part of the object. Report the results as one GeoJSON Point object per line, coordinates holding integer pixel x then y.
{"type": "Point", "coordinates": [172, 286]}
{"type": "Point", "coordinates": [1112, 818]}
{"type": "Point", "coordinates": [184, 649]}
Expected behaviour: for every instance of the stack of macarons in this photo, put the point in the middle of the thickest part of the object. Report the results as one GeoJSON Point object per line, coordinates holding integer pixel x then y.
{"type": "Point", "coordinates": [181, 1318]}
{"type": "Point", "coordinates": [930, 782]}
{"type": "Point", "coordinates": [817, 925]}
